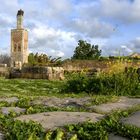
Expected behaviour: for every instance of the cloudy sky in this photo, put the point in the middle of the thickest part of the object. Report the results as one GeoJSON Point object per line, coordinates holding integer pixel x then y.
{"type": "Point", "coordinates": [55, 26]}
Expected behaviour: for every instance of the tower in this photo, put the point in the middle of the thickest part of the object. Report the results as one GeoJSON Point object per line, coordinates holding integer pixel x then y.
{"type": "Point", "coordinates": [19, 43]}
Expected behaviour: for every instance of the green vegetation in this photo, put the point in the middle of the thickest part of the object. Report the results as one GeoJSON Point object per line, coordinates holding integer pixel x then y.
{"type": "Point", "coordinates": [43, 60]}
{"type": "Point", "coordinates": [31, 108]}
{"type": "Point", "coordinates": [119, 83]}
{"type": "Point", "coordinates": [11, 87]}
{"type": "Point", "coordinates": [86, 51]}
{"type": "Point", "coordinates": [104, 84]}
{"type": "Point", "coordinates": [111, 124]}
{"type": "Point", "coordinates": [100, 87]}
{"type": "Point", "coordinates": [17, 130]}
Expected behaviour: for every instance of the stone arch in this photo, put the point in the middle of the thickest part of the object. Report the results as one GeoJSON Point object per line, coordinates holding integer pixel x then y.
{"type": "Point", "coordinates": [19, 47]}
{"type": "Point", "coordinates": [15, 47]}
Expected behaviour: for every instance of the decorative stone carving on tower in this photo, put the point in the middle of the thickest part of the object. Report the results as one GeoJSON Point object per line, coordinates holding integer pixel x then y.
{"type": "Point", "coordinates": [19, 43]}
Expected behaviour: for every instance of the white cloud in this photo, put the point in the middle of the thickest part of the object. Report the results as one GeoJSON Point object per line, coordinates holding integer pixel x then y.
{"type": "Point", "coordinates": [56, 26]}
{"type": "Point", "coordinates": [51, 41]}
{"type": "Point", "coordinates": [124, 10]}
{"type": "Point", "coordinates": [125, 50]}
{"type": "Point", "coordinates": [57, 11]}
{"type": "Point", "coordinates": [135, 43]}
{"type": "Point", "coordinates": [56, 53]}
{"type": "Point", "coordinates": [93, 28]}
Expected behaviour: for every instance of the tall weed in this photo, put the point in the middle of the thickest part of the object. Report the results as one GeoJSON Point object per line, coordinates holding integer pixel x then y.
{"type": "Point", "coordinates": [116, 84]}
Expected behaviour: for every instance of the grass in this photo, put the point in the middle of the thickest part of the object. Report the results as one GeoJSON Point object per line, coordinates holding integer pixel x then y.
{"type": "Point", "coordinates": [17, 130]}
{"type": "Point", "coordinates": [28, 87]}
{"type": "Point", "coordinates": [28, 90]}
{"type": "Point", "coordinates": [34, 88]}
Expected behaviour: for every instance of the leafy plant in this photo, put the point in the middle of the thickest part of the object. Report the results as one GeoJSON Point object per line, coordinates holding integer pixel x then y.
{"type": "Point", "coordinates": [105, 84]}
{"type": "Point", "coordinates": [87, 51]}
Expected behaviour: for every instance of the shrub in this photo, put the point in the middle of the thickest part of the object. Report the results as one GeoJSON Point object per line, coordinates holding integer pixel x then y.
{"type": "Point", "coordinates": [116, 84]}
{"type": "Point", "coordinates": [120, 84]}
{"type": "Point", "coordinates": [77, 83]}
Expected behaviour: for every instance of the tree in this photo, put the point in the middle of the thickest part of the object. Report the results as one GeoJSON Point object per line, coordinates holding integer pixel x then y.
{"type": "Point", "coordinates": [43, 59]}
{"type": "Point", "coordinates": [5, 59]}
{"type": "Point", "coordinates": [87, 51]}
{"type": "Point", "coordinates": [31, 59]}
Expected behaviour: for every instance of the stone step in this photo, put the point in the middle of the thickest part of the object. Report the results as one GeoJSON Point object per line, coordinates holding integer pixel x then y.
{"type": "Point", "coordinates": [1, 136]}
{"type": "Point", "coordinates": [62, 102]}
{"type": "Point", "coordinates": [9, 99]}
{"type": "Point", "coordinates": [123, 103]}
{"type": "Point", "coordinates": [133, 119]}
{"type": "Point", "coordinates": [7, 110]}
{"type": "Point", "coordinates": [52, 120]}
{"type": "Point", "coordinates": [116, 137]}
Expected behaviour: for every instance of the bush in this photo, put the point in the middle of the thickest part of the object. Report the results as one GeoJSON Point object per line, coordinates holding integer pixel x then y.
{"type": "Point", "coordinates": [76, 83]}
{"type": "Point", "coordinates": [120, 84]}
{"type": "Point", "coordinates": [115, 84]}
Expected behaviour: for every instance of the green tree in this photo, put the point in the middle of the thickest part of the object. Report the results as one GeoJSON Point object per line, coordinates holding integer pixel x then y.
{"type": "Point", "coordinates": [43, 59]}
{"type": "Point", "coordinates": [85, 50]}
{"type": "Point", "coordinates": [31, 59]}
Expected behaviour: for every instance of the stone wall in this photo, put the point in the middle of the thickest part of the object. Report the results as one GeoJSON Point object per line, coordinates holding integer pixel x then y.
{"type": "Point", "coordinates": [4, 71]}
{"type": "Point", "coordinates": [50, 73]}
{"type": "Point", "coordinates": [80, 65]}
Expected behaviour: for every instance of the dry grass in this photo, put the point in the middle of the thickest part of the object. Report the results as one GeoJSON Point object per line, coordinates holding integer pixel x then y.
{"type": "Point", "coordinates": [103, 65]}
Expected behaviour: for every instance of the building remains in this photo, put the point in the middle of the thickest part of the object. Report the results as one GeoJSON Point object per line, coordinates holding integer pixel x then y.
{"type": "Point", "coordinates": [19, 43]}
{"type": "Point", "coordinates": [19, 57]}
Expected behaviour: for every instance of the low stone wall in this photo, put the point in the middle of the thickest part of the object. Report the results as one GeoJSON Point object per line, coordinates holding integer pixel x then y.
{"type": "Point", "coordinates": [50, 73]}
{"type": "Point", "coordinates": [4, 71]}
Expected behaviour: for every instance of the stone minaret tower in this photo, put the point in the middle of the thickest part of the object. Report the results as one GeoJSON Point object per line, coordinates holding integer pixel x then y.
{"type": "Point", "coordinates": [19, 43]}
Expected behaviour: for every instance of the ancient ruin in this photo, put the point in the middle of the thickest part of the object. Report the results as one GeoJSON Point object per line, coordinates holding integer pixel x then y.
{"type": "Point", "coordinates": [19, 43]}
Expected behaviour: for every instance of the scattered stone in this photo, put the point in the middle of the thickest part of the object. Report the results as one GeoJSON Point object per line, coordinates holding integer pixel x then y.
{"type": "Point", "coordinates": [9, 100]}
{"type": "Point", "coordinates": [52, 120]}
{"type": "Point", "coordinates": [63, 102]}
{"type": "Point", "coordinates": [133, 119]}
{"type": "Point", "coordinates": [7, 110]}
{"type": "Point", "coordinates": [123, 103]}
{"type": "Point", "coordinates": [1, 136]}
{"type": "Point", "coordinates": [116, 137]}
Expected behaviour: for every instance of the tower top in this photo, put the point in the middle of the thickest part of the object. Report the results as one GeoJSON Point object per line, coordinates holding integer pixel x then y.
{"type": "Point", "coordinates": [20, 12]}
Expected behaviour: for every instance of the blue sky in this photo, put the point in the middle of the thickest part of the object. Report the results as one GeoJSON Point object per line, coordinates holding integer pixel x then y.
{"type": "Point", "coordinates": [55, 26]}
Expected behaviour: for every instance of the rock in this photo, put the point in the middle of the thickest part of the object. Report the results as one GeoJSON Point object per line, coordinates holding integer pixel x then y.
{"type": "Point", "coordinates": [1, 136]}
{"type": "Point", "coordinates": [52, 120]}
{"type": "Point", "coordinates": [9, 100]}
{"type": "Point", "coordinates": [133, 119]}
{"type": "Point", "coordinates": [4, 71]}
{"type": "Point", "coordinates": [123, 103]}
{"type": "Point", "coordinates": [116, 137]}
{"type": "Point", "coordinates": [38, 72]}
{"type": "Point", "coordinates": [7, 110]}
{"type": "Point", "coordinates": [63, 102]}
{"type": "Point", "coordinates": [56, 73]}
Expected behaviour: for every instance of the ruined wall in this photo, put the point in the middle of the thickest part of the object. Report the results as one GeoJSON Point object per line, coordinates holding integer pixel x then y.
{"type": "Point", "coordinates": [4, 70]}
{"type": "Point", "coordinates": [50, 73]}
{"type": "Point", "coordinates": [102, 65]}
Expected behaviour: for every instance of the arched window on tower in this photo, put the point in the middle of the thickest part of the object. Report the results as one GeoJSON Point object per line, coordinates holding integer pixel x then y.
{"type": "Point", "coordinates": [19, 48]}
{"type": "Point", "coordinates": [15, 47]}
